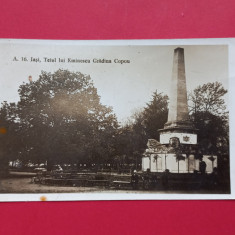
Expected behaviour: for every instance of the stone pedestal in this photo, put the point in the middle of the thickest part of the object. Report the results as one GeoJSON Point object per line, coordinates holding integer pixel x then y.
{"type": "Point", "coordinates": [159, 162]}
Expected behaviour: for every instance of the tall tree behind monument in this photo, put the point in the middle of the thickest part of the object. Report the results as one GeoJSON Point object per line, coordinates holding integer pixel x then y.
{"type": "Point", "coordinates": [209, 113]}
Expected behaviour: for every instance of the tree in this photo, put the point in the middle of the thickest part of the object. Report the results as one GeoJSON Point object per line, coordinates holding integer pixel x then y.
{"type": "Point", "coordinates": [143, 125]}
{"type": "Point", "coordinates": [208, 112]}
{"type": "Point", "coordinates": [155, 115]}
{"type": "Point", "coordinates": [62, 120]}
{"type": "Point", "coordinates": [10, 138]}
{"type": "Point", "coordinates": [208, 98]}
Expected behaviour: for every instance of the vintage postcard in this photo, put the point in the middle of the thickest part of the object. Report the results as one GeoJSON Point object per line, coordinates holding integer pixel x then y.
{"type": "Point", "coordinates": [117, 120]}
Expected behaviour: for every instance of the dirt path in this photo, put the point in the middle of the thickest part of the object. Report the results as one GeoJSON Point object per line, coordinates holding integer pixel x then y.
{"type": "Point", "coordinates": [24, 185]}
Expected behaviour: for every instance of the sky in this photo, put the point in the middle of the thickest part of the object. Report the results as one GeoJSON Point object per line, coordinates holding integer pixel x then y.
{"type": "Point", "coordinates": [126, 87]}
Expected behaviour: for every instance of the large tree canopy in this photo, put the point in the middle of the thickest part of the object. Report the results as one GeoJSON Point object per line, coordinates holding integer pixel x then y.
{"type": "Point", "coordinates": [61, 119]}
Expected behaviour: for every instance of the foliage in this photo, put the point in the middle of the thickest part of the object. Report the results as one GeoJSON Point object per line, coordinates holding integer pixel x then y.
{"type": "Point", "coordinates": [208, 98]}
{"type": "Point", "coordinates": [145, 124]}
{"type": "Point", "coordinates": [208, 112]}
{"type": "Point", "coordinates": [213, 135]}
{"type": "Point", "coordinates": [155, 115]}
{"type": "Point", "coordinates": [10, 139]}
{"type": "Point", "coordinates": [61, 119]}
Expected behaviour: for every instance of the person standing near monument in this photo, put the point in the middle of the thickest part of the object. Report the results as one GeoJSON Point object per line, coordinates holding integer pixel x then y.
{"type": "Point", "coordinates": [202, 167]}
{"type": "Point", "coordinates": [134, 180]}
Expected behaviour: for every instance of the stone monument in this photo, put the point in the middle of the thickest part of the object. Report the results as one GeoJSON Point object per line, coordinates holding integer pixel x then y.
{"type": "Point", "coordinates": [177, 150]}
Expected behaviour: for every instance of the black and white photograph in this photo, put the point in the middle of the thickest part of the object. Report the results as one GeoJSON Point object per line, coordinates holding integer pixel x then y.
{"type": "Point", "coordinates": [105, 120]}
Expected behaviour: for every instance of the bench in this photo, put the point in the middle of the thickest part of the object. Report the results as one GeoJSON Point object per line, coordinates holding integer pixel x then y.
{"type": "Point", "coordinates": [119, 184]}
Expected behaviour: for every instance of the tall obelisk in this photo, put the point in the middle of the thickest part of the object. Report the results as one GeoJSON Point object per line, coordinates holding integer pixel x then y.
{"type": "Point", "coordinates": [178, 124]}
{"type": "Point", "coordinates": [178, 109]}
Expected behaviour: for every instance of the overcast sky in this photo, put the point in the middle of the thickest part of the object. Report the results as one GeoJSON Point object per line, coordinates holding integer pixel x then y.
{"type": "Point", "coordinates": [125, 87]}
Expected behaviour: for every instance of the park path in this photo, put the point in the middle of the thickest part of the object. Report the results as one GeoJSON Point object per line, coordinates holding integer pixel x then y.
{"type": "Point", "coordinates": [24, 185]}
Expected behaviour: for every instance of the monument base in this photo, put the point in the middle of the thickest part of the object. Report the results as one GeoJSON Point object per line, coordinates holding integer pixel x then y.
{"type": "Point", "coordinates": [159, 162]}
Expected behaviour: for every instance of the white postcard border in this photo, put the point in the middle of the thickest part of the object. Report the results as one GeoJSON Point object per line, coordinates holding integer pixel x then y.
{"type": "Point", "coordinates": [142, 196]}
